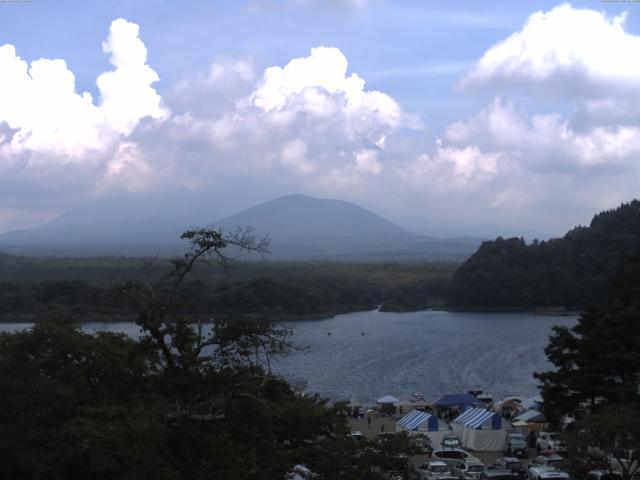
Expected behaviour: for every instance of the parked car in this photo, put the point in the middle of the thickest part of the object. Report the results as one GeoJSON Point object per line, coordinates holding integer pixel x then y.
{"type": "Point", "coordinates": [511, 464]}
{"type": "Point", "coordinates": [452, 456]}
{"type": "Point", "coordinates": [515, 445]}
{"type": "Point", "coordinates": [546, 461]}
{"type": "Point", "coordinates": [602, 475]}
{"type": "Point", "coordinates": [546, 473]}
{"type": "Point", "coordinates": [433, 470]}
{"type": "Point", "coordinates": [355, 435]}
{"type": "Point", "coordinates": [550, 441]}
{"type": "Point", "coordinates": [451, 441]}
{"type": "Point", "coordinates": [467, 470]}
{"type": "Point", "coordinates": [497, 474]}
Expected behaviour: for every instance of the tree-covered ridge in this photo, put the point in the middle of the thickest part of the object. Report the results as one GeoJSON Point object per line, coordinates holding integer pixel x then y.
{"type": "Point", "coordinates": [31, 288]}
{"type": "Point", "coordinates": [570, 272]}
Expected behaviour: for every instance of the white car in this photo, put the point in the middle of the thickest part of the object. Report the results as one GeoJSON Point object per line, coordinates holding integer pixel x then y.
{"type": "Point", "coordinates": [468, 470]}
{"type": "Point", "coordinates": [550, 441]}
{"type": "Point", "coordinates": [546, 461]}
{"type": "Point", "coordinates": [546, 473]}
{"type": "Point", "coordinates": [433, 470]}
{"type": "Point", "coordinates": [453, 456]}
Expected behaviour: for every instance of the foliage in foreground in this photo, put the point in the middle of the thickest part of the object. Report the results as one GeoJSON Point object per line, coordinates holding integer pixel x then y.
{"type": "Point", "coordinates": [184, 401]}
{"type": "Point", "coordinates": [596, 379]}
{"type": "Point", "coordinates": [607, 440]}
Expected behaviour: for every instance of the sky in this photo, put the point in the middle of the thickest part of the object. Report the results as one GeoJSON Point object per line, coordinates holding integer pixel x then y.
{"type": "Point", "coordinates": [474, 118]}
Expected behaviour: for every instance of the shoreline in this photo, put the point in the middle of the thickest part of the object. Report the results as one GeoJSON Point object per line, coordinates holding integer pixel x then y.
{"type": "Point", "coordinates": [311, 317]}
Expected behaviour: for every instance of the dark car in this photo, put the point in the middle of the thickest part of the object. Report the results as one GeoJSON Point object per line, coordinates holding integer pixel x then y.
{"type": "Point", "coordinates": [515, 445]}
{"type": "Point", "coordinates": [497, 474]}
{"type": "Point", "coordinates": [511, 464]}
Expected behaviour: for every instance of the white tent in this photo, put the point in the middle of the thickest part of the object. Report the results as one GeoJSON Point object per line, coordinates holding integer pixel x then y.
{"type": "Point", "coordinates": [530, 416]}
{"type": "Point", "coordinates": [480, 429]}
{"type": "Point", "coordinates": [425, 423]}
{"type": "Point", "coordinates": [387, 404]}
{"type": "Point", "coordinates": [387, 400]}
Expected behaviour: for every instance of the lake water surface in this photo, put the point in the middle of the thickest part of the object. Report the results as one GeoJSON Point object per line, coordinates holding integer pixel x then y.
{"type": "Point", "coordinates": [364, 355]}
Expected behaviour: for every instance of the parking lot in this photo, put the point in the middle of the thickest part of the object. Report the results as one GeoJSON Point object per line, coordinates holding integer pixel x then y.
{"type": "Point", "coordinates": [381, 424]}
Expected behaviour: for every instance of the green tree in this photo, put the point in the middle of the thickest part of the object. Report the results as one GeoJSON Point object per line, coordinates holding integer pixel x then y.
{"type": "Point", "coordinates": [598, 360]}
{"type": "Point", "coordinates": [607, 440]}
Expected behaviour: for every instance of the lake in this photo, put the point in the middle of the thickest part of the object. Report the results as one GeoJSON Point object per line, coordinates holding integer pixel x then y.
{"type": "Point", "coordinates": [365, 355]}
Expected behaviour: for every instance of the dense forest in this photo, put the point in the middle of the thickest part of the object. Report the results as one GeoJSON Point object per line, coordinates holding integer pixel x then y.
{"type": "Point", "coordinates": [568, 272]}
{"type": "Point", "coordinates": [31, 288]}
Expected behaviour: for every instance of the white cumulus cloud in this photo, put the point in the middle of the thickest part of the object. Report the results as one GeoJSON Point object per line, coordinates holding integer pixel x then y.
{"type": "Point", "coordinates": [126, 93]}
{"type": "Point", "coordinates": [55, 122]}
{"type": "Point", "coordinates": [581, 48]}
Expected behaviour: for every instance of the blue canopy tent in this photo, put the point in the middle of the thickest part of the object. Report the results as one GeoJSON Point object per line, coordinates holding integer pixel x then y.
{"type": "Point", "coordinates": [418, 421]}
{"type": "Point", "coordinates": [481, 429]}
{"type": "Point", "coordinates": [449, 406]}
{"type": "Point", "coordinates": [460, 400]}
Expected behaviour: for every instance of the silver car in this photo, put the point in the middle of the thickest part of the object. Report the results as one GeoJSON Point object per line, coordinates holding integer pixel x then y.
{"type": "Point", "coordinates": [433, 470]}
{"type": "Point", "coordinates": [467, 470]}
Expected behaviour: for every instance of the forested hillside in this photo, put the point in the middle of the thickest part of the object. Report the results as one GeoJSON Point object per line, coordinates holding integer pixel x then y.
{"type": "Point", "coordinates": [32, 288]}
{"type": "Point", "coordinates": [569, 272]}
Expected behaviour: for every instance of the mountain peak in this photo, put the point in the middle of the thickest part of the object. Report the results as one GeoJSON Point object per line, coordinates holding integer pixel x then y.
{"type": "Point", "coordinates": [302, 217]}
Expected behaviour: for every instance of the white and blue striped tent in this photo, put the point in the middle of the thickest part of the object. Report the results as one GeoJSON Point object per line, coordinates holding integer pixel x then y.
{"type": "Point", "coordinates": [417, 421]}
{"type": "Point", "coordinates": [480, 429]}
{"type": "Point", "coordinates": [480, 418]}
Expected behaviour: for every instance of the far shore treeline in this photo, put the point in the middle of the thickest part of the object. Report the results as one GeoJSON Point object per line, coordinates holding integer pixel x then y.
{"type": "Point", "coordinates": [31, 288]}
{"type": "Point", "coordinates": [560, 274]}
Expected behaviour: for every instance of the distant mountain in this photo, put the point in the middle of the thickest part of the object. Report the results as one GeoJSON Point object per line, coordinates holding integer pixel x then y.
{"type": "Point", "coordinates": [313, 223]}
{"type": "Point", "coordinates": [571, 271]}
{"type": "Point", "coordinates": [130, 224]}
{"type": "Point", "coordinates": [300, 227]}
{"type": "Point", "coordinates": [126, 235]}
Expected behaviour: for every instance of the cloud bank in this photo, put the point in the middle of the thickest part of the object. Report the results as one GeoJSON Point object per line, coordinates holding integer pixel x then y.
{"type": "Point", "coordinates": [311, 125]}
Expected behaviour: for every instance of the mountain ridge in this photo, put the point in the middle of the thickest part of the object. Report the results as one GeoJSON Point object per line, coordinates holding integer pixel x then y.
{"type": "Point", "coordinates": [301, 227]}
